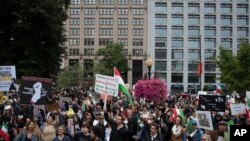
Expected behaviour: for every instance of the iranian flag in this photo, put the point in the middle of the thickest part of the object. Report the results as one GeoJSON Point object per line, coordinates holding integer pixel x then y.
{"type": "Point", "coordinates": [122, 86]}
{"type": "Point", "coordinates": [4, 132]}
{"type": "Point", "coordinates": [178, 112]}
{"type": "Point", "coordinates": [218, 89]}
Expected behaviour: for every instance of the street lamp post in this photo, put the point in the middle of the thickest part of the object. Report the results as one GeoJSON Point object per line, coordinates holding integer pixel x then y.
{"type": "Point", "coordinates": [149, 63]}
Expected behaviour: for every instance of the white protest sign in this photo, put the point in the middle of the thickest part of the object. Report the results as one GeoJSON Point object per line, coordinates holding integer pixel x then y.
{"type": "Point", "coordinates": [237, 108]}
{"type": "Point", "coordinates": [106, 85]}
{"type": "Point", "coordinates": [202, 93]}
{"type": "Point", "coordinates": [6, 73]}
{"type": "Point", "coordinates": [204, 120]}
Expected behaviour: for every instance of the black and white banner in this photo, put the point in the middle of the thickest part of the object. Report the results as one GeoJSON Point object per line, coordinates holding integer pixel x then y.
{"type": "Point", "coordinates": [34, 90]}
{"type": "Point", "coordinates": [212, 103]}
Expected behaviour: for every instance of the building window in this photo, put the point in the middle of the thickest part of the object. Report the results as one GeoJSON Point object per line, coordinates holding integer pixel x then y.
{"type": "Point", "coordinates": [242, 9]}
{"type": "Point", "coordinates": [160, 54]}
{"type": "Point", "coordinates": [210, 66]}
{"type": "Point", "coordinates": [122, 11]}
{"type": "Point", "coordinates": [74, 21]}
{"type": "Point", "coordinates": [242, 31]}
{"type": "Point", "coordinates": [161, 19]}
{"type": "Point", "coordinates": [193, 19]}
{"type": "Point", "coordinates": [161, 8]}
{"type": "Point", "coordinates": [125, 52]}
{"type": "Point", "coordinates": [177, 31]}
{"type": "Point", "coordinates": [89, 31]}
{"type": "Point", "coordinates": [74, 41]}
{"type": "Point", "coordinates": [106, 11]}
{"type": "Point", "coordinates": [241, 40]}
{"type": "Point", "coordinates": [177, 19]}
{"type": "Point", "coordinates": [209, 8]}
{"type": "Point", "coordinates": [138, 2]}
{"type": "Point", "coordinates": [122, 2]}
{"type": "Point", "coordinates": [105, 41]}
{"type": "Point", "coordinates": [106, 21]}
{"type": "Point", "coordinates": [162, 76]}
{"type": "Point", "coordinates": [89, 2]}
{"type": "Point", "coordinates": [242, 20]}
{"type": "Point", "coordinates": [193, 8]}
{"type": "Point", "coordinates": [192, 66]}
{"type": "Point", "coordinates": [89, 41]}
{"type": "Point", "coordinates": [177, 7]}
{"type": "Point", "coordinates": [226, 8]}
{"type": "Point", "coordinates": [210, 20]}
{"type": "Point", "coordinates": [106, 31]}
{"type": "Point", "coordinates": [123, 41]}
{"type": "Point", "coordinates": [89, 11]}
{"type": "Point", "coordinates": [137, 32]}
{"type": "Point", "coordinates": [226, 31]}
{"type": "Point", "coordinates": [226, 42]}
{"type": "Point", "coordinates": [193, 31]}
{"type": "Point", "coordinates": [160, 42]}
{"type": "Point", "coordinates": [88, 52]}
{"type": "Point", "coordinates": [210, 54]}
{"type": "Point", "coordinates": [137, 11]}
{"type": "Point", "coordinates": [106, 2]}
{"type": "Point", "coordinates": [89, 21]}
{"type": "Point", "coordinates": [73, 52]}
{"type": "Point", "coordinates": [74, 11]}
{"type": "Point", "coordinates": [226, 20]}
{"type": "Point", "coordinates": [177, 42]}
{"type": "Point", "coordinates": [75, 2]}
{"type": "Point", "coordinates": [122, 32]}
{"type": "Point", "coordinates": [137, 21]}
{"type": "Point", "coordinates": [160, 32]}
{"type": "Point", "coordinates": [177, 54]}
{"type": "Point", "coordinates": [160, 65]}
{"type": "Point", "coordinates": [210, 43]}
{"type": "Point", "coordinates": [193, 43]}
{"type": "Point", "coordinates": [177, 77]}
{"type": "Point", "coordinates": [210, 78]}
{"type": "Point", "coordinates": [74, 31]}
{"type": "Point", "coordinates": [137, 52]}
{"type": "Point", "coordinates": [177, 66]}
{"type": "Point", "coordinates": [122, 21]}
{"type": "Point", "coordinates": [193, 55]}
{"type": "Point", "coordinates": [210, 31]}
{"type": "Point", "coordinates": [137, 42]}
{"type": "Point", "coordinates": [193, 78]}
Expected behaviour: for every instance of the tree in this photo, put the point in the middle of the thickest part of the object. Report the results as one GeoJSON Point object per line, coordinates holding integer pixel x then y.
{"type": "Point", "coordinates": [111, 56]}
{"type": "Point", "coordinates": [235, 70]}
{"type": "Point", "coordinates": [152, 90]}
{"type": "Point", "coordinates": [70, 76]}
{"type": "Point", "coordinates": [32, 35]}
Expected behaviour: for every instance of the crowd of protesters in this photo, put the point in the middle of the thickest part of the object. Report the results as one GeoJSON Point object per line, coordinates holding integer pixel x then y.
{"type": "Point", "coordinates": [117, 121]}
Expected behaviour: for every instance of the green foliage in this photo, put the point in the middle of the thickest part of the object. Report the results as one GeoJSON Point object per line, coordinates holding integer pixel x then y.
{"type": "Point", "coordinates": [111, 56]}
{"type": "Point", "coordinates": [235, 70]}
{"type": "Point", "coordinates": [32, 36]}
{"type": "Point", "coordinates": [70, 76]}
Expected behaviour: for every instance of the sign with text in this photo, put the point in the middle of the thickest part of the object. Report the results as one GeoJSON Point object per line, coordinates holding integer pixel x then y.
{"type": "Point", "coordinates": [6, 73]}
{"type": "Point", "coordinates": [204, 120]}
{"type": "Point", "coordinates": [106, 85]}
{"type": "Point", "coordinates": [212, 103]}
{"type": "Point", "coordinates": [34, 90]}
{"type": "Point", "coordinates": [237, 109]}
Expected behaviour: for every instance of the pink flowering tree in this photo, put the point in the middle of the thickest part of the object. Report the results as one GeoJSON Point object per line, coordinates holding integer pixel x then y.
{"type": "Point", "coordinates": [152, 90]}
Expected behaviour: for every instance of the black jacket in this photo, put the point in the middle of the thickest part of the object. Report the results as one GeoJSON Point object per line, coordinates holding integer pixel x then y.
{"type": "Point", "coordinates": [157, 138]}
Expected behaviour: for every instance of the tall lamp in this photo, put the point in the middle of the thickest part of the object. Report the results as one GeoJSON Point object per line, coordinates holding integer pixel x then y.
{"type": "Point", "coordinates": [149, 63]}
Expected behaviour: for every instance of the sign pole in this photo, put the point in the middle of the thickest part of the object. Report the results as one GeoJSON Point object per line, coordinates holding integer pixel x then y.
{"type": "Point", "coordinates": [105, 101]}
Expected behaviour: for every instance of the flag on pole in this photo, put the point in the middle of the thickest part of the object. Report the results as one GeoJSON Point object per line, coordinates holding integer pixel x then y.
{"type": "Point", "coordinates": [199, 69]}
{"type": "Point", "coordinates": [218, 89]}
{"type": "Point", "coordinates": [4, 131]}
{"type": "Point", "coordinates": [122, 86]}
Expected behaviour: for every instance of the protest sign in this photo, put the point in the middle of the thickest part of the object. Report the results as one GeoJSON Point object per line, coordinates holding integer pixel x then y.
{"type": "Point", "coordinates": [34, 90]}
{"type": "Point", "coordinates": [204, 120]}
{"type": "Point", "coordinates": [106, 85]}
{"type": "Point", "coordinates": [212, 103]}
{"type": "Point", "coordinates": [6, 73]}
{"type": "Point", "coordinates": [237, 109]}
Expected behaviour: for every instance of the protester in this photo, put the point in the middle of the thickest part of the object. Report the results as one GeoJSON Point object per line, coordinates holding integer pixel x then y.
{"type": "Point", "coordinates": [48, 129]}
{"type": "Point", "coordinates": [61, 130]}
{"type": "Point", "coordinates": [31, 133]}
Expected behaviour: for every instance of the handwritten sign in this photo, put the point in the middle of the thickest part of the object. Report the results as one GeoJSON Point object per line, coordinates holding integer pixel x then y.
{"type": "Point", "coordinates": [237, 109]}
{"type": "Point", "coordinates": [106, 85]}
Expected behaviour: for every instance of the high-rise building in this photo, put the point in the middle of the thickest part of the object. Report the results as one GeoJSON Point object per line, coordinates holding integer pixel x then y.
{"type": "Point", "coordinates": [184, 33]}
{"type": "Point", "coordinates": [92, 24]}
